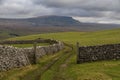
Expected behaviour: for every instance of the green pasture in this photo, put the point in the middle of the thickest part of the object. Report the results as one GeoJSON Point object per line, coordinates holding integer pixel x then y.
{"type": "Point", "coordinates": [84, 38]}
{"type": "Point", "coordinates": [66, 68]}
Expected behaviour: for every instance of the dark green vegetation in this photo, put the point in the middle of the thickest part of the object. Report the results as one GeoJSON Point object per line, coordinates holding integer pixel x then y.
{"type": "Point", "coordinates": [62, 66]}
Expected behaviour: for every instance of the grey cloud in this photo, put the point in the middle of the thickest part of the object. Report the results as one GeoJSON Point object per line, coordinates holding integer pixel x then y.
{"type": "Point", "coordinates": [22, 9]}
{"type": "Point", "coordinates": [79, 8]}
{"type": "Point", "coordinates": [77, 12]}
{"type": "Point", "coordinates": [1, 1]}
{"type": "Point", "coordinates": [83, 8]}
{"type": "Point", "coordinates": [99, 5]}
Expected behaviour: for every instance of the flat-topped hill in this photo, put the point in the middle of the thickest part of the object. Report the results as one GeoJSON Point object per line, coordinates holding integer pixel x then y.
{"type": "Point", "coordinates": [42, 21]}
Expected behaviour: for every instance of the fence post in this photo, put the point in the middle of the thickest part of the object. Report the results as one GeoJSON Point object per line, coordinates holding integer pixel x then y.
{"type": "Point", "coordinates": [78, 52]}
{"type": "Point", "coordinates": [34, 51]}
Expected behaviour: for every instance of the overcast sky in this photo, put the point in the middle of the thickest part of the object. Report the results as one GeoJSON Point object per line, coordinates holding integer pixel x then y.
{"type": "Point", "coordinates": [100, 11]}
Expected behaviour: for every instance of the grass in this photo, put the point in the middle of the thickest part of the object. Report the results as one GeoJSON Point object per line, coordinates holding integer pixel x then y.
{"type": "Point", "coordinates": [56, 70]}
{"type": "Point", "coordinates": [28, 45]}
{"type": "Point", "coordinates": [66, 68]}
{"type": "Point", "coordinates": [103, 70]}
{"type": "Point", "coordinates": [29, 72]}
{"type": "Point", "coordinates": [84, 38]}
{"type": "Point", "coordinates": [4, 35]}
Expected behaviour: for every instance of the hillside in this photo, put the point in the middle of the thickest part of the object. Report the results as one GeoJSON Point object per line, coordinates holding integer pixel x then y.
{"type": "Point", "coordinates": [85, 38]}
{"type": "Point", "coordinates": [54, 21]}
{"type": "Point", "coordinates": [13, 31]}
{"type": "Point", "coordinates": [46, 24]}
{"type": "Point", "coordinates": [42, 21]}
{"type": "Point", "coordinates": [64, 65]}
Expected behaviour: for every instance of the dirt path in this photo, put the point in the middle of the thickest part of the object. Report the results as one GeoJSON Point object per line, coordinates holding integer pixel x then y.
{"type": "Point", "coordinates": [63, 65]}
{"type": "Point", "coordinates": [56, 65]}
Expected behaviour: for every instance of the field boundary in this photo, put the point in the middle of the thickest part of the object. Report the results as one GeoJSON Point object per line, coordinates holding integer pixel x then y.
{"type": "Point", "coordinates": [13, 57]}
{"type": "Point", "coordinates": [98, 53]}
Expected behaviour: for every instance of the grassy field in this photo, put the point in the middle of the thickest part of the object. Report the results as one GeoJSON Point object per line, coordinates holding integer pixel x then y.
{"type": "Point", "coordinates": [84, 38]}
{"type": "Point", "coordinates": [32, 71]}
{"type": "Point", "coordinates": [65, 67]}
{"type": "Point", "coordinates": [8, 30]}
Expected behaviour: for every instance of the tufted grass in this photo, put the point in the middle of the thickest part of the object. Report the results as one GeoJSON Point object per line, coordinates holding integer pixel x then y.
{"type": "Point", "coordinates": [100, 70]}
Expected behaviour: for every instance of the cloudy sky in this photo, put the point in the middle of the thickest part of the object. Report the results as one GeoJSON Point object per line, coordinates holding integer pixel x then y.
{"type": "Point", "coordinates": [100, 11]}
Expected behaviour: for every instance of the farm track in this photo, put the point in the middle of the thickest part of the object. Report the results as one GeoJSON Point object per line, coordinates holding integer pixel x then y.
{"type": "Point", "coordinates": [57, 65]}
{"type": "Point", "coordinates": [62, 66]}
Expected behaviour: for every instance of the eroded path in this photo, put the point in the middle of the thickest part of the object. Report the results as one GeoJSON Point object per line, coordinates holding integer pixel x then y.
{"type": "Point", "coordinates": [53, 69]}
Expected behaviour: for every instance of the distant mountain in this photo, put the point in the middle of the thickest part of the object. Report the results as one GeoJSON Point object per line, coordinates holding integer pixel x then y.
{"type": "Point", "coordinates": [54, 21]}
{"type": "Point", "coordinates": [42, 21]}
{"type": "Point", "coordinates": [46, 24]}
{"type": "Point", "coordinates": [35, 25]}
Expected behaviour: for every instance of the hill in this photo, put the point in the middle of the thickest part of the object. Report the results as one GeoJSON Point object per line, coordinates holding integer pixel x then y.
{"type": "Point", "coordinates": [85, 38]}
{"type": "Point", "coordinates": [13, 31]}
{"type": "Point", "coordinates": [64, 65]}
{"type": "Point", "coordinates": [42, 21]}
{"type": "Point", "coordinates": [54, 21]}
{"type": "Point", "coordinates": [46, 24]}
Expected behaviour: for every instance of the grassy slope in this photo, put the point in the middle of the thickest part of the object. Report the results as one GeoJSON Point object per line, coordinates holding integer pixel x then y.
{"type": "Point", "coordinates": [4, 35]}
{"type": "Point", "coordinates": [103, 70]}
{"type": "Point", "coordinates": [32, 71]}
{"type": "Point", "coordinates": [10, 31]}
{"type": "Point", "coordinates": [85, 38]}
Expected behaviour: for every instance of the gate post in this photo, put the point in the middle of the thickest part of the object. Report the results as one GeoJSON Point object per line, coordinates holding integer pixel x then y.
{"type": "Point", "coordinates": [78, 52]}
{"type": "Point", "coordinates": [35, 52]}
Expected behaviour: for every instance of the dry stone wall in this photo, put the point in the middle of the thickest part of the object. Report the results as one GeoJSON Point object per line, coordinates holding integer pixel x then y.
{"type": "Point", "coordinates": [29, 41]}
{"type": "Point", "coordinates": [97, 53]}
{"type": "Point", "coordinates": [12, 57]}
{"type": "Point", "coordinates": [41, 51]}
